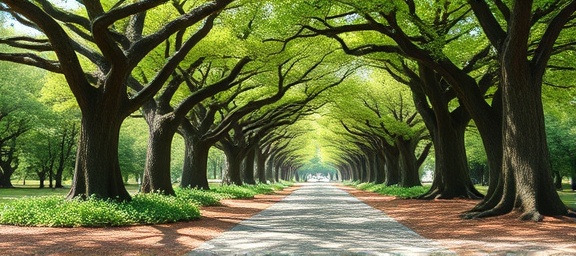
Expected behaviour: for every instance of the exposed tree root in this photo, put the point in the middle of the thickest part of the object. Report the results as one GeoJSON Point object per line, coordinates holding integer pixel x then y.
{"type": "Point", "coordinates": [438, 194]}
{"type": "Point", "coordinates": [485, 205]}
{"type": "Point", "coordinates": [497, 211]}
{"type": "Point", "coordinates": [532, 215]}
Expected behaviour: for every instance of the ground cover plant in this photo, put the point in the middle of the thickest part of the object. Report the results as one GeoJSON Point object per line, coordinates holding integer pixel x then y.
{"type": "Point", "coordinates": [150, 208]}
{"type": "Point", "coordinates": [398, 191]}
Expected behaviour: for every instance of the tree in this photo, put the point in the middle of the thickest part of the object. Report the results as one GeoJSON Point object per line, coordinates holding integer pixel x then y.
{"type": "Point", "coordinates": [216, 163]}
{"type": "Point", "coordinates": [527, 175]}
{"type": "Point", "coordinates": [48, 149]}
{"type": "Point", "coordinates": [18, 111]}
{"type": "Point", "coordinates": [101, 89]}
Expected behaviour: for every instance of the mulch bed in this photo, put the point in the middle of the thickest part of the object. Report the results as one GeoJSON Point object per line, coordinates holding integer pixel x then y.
{"type": "Point", "coordinates": [439, 220]}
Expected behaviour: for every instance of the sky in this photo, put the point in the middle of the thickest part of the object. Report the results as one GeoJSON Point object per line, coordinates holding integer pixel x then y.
{"type": "Point", "coordinates": [21, 29]}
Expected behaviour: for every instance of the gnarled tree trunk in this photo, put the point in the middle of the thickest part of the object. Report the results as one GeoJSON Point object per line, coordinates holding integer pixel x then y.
{"type": "Point", "coordinates": [97, 170]}
{"type": "Point", "coordinates": [157, 176]}
{"type": "Point", "coordinates": [248, 167]}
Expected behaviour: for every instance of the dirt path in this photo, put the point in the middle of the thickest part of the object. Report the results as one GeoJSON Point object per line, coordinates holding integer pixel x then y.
{"type": "Point", "coordinates": [432, 219]}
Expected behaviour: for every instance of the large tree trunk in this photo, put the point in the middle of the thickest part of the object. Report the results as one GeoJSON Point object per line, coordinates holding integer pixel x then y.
{"type": "Point", "coordinates": [527, 177]}
{"type": "Point", "coordinates": [372, 166]}
{"type": "Point", "coordinates": [42, 177]}
{"type": "Point", "coordinates": [391, 168]}
{"type": "Point", "coordinates": [187, 132]}
{"type": "Point", "coordinates": [97, 172]}
{"type": "Point", "coordinates": [451, 171]}
{"type": "Point", "coordinates": [199, 164]}
{"type": "Point", "coordinates": [261, 166]}
{"type": "Point", "coordinates": [58, 177]}
{"type": "Point", "coordinates": [362, 163]}
{"type": "Point", "coordinates": [6, 175]}
{"type": "Point", "coordinates": [451, 177]}
{"type": "Point", "coordinates": [380, 172]}
{"type": "Point", "coordinates": [277, 173]}
{"type": "Point", "coordinates": [270, 168]}
{"type": "Point", "coordinates": [248, 169]}
{"type": "Point", "coordinates": [409, 176]}
{"type": "Point", "coordinates": [194, 169]}
{"type": "Point", "coordinates": [526, 156]}
{"type": "Point", "coordinates": [158, 155]}
{"type": "Point", "coordinates": [234, 159]}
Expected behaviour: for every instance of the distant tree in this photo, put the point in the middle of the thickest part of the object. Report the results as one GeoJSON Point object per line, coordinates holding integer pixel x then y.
{"type": "Point", "coordinates": [48, 150]}
{"type": "Point", "coordinates": [216, 163]}
{"type": "Point", "coordinates": [19, 110]}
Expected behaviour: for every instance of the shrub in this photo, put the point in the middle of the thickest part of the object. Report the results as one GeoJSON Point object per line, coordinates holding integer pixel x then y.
{"type": "Point", "coordinates": [152, 208]}
{"type": "Point", "coordinates": [55, 211]}
{"type": "Point", "coordinates": [236, 192]}
{"type": "Point", "coordinates": [394, 190]}
{"type": "Point", "coordinates": [365, 186]}
{"type": "Point", "coordinates": [202, 197]}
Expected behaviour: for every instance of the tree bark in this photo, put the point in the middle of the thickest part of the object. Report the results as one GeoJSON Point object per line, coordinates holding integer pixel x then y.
{"type": "Point", "coordinates": [234, 159]}
{"type": "Point", "coordinates": [409, 176]}
{"type": "Point", "coordinates": [42, 177]}
{"type": "Point", "coordinates": [194, 169]}
{"type": "Point", "coordinates": [6, 175]}
{"type": "Point", "coordinates": [199, 163]}
{"type": "Point", "coordinates": [391, 168]}
{"type": "Point", "coordinates": [248, 167]}
{"type": "Point", "coordinates": [270, 168]}
{"type": "Point", "coordinates": [362, 163]}
{"type": "Point", "coordinates": [97, 172]}
{"type": "Point", "coordinates": [261, 166]}
{"type": "Point", "coordinates": [157, 176]}
{"type": "Point", "coordinates": [380, 165]}
{"type": "Point", "coordinates": [372, 166]}
{"type": "Point", "coordinates": [526, 156]}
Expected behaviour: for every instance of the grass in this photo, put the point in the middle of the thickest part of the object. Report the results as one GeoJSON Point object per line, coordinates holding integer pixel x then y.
{"type": "Point", "coordinates": [27, 206]}
{"type": "Point", "coordinates": [393, 190]}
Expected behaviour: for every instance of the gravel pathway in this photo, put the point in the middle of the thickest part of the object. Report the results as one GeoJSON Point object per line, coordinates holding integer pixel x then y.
{"type": "Point", "coordinates": [320, 219]}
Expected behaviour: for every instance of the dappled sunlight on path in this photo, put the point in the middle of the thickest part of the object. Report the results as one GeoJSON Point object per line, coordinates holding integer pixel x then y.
{"type": "Point", "coordinates": [320, 219]}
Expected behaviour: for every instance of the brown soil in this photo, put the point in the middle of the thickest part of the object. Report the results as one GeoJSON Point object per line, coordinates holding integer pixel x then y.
{"type": "Point", "coordinates": [437, 219]}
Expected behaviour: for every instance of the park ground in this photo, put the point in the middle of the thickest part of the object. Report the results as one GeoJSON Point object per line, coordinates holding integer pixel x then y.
{"type": "Point", "coordinates": [437, 219]}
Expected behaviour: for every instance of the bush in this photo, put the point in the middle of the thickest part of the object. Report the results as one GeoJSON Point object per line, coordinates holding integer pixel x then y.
{"type": "Point", "coordinates": [236, 192]}
{"type": "Point", "coordinates": [152, 208]}
{"type": "Point", "coordinates": [202, 197]}
{"type": "Point", "coordinates": [55, 211]}
{"type": "Point", "coordinates": [393, 190]}
{"type": "Point", "coordinates": [365, 186]}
